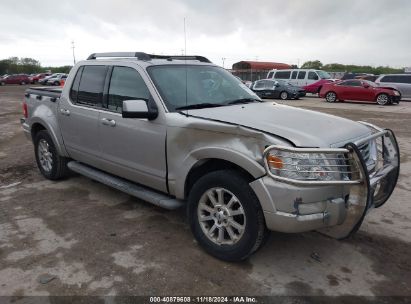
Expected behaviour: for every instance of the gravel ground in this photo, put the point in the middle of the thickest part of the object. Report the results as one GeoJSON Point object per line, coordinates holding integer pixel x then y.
{"type": "Point", "coordinates": [79, 237]}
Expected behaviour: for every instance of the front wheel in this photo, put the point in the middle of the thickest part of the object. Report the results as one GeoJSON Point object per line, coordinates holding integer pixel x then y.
{"type": "Point", "coordinates": [225, 215]}
{"type": "Point", "coordinates": [284, 95]}
{"type": "Point", "coordinates": [52, 166]}
{"type": "Point", "coordinates": [331, 97]}
{"type": "Point", "coordinates": [382, 99]}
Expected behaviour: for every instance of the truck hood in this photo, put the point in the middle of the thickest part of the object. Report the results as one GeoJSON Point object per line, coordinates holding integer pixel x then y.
{"type": "Point", "coordinates": [304, 128]}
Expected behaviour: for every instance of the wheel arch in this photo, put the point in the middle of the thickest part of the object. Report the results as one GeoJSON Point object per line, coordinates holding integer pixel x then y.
{"type": "Point", "coordinates": [208, 160]}
{"type": "Point", "coordinates": [37, 124]}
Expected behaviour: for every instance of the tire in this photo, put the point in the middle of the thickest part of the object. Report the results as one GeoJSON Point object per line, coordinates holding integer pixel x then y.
{"type": "Point", "coordinates": [382, 99]}
{"type": "Point", "coordinates": [331, 97]}
{"type": "Point", "coordinates": [2, 83]}
{"type": "Point", "coordinates": [228, 237]}
{"type": "Point", "coordinates": [51, 165]}
{"type": "Point", "coordinates": [283, 95]}
{"type": "Point", "coordinates": [22, 83]}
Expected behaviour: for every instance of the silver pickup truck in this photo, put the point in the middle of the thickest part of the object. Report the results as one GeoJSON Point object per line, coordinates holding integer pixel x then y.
{"type": "Point", "coordinates": [178, 130]}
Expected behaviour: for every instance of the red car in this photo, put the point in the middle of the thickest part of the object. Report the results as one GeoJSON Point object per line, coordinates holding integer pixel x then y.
{"type": "Point", "coordinates": [37, 77]}
{"type": "Point", "coordinates": [359, 90]}
{"type": "Point", "coordinates": [315, 87]}
{"type": "Point", "coordinates": [15, 79]}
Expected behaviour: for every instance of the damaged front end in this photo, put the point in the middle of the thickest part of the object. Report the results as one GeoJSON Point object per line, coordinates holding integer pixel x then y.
{"type": "Point", "coordinates": [353, 179]}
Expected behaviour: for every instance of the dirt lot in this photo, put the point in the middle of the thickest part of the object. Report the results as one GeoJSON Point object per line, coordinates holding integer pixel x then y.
{"type": "Point", "coordinates": [78, 237]}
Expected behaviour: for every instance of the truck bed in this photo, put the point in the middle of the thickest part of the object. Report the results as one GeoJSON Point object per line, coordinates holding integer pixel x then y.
{"type": "Point", "coordinates": [45, 91]}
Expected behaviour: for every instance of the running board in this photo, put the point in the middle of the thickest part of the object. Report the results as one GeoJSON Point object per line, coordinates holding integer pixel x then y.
{"type": "Point", "coordinates": [141, 192]}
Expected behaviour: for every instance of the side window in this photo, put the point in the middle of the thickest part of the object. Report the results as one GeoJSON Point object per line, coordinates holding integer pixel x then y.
{"type": "Point", "coordinates": [283, 75]}
{"type": "Point", "coordinates": [294, 75]}
{"type": "Point", "coordinates": [312, 75]}
{"type": "Point", "coordinates": [351, 83]}
{"type": "Point", "coordinates": [74, 87]}
{"type": "Point", "coordinates": [387, 79]}
{"type": "Point", "coordinates": [125, 84]}
{"type": "Point", "coordinates": [91, 85]}
{"type": "Point", "coordinates": [301, 75]}
{"type": "Point", "coordinates": [270, 75]}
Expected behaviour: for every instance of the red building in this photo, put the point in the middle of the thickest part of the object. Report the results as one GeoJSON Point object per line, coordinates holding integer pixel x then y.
{"type": "Point", "coordinates": [255, 70]}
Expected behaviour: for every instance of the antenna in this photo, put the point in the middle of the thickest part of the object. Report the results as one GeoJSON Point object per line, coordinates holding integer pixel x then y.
{"type": "Point", "coordinates": [74, 57]}
{"type": "Point", "coordinates": [185, 60]}
{"type": "Point", "coordinates": [185, 38]}
{"type": "Point", "coordinates": [223, 59]}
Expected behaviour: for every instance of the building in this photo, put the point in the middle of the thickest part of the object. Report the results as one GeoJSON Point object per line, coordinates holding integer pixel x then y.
{"type": "Point", "coordinates": [255, 70]}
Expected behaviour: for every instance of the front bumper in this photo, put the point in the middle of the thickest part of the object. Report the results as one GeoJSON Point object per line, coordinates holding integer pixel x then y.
{"type": "Point", "coordinates": [338, 208]}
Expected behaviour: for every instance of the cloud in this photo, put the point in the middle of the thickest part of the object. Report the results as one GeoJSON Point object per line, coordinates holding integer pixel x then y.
{"type": "Point", "coordinates": [351, 31]}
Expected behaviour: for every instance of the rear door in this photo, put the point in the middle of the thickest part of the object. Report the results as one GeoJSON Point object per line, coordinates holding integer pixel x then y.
{"type": "Point", "coordinates": [130, 147]}
{"type": "Point", "coordinates": [79, 114]}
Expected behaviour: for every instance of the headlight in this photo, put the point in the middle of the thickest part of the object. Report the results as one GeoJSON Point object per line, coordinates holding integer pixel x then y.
{"type": "Point", "coordinates": [326, 165]}
{"type": "Point", "coordinates": [396, 93]}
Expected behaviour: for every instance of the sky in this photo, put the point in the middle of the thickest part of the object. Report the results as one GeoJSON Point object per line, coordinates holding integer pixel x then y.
{"type": "Point", "coordinates": [366, 32]}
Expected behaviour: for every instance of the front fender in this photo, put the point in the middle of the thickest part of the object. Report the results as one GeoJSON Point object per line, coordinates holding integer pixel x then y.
{"type": "Point", "coordinates": [222, 153]}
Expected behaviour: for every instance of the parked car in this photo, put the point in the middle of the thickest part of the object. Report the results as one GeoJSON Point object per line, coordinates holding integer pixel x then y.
{"type": "Point", "coordinates": [154, 127]}
{"type": "Point", "coordinates": [401, 82]}
{"type": "Point", "coordinates": [56, 80]}
{"type": "Point", "coordinates": [44, 80]}
{"type": "Point", "coordinates": [298, 77]}
{"type": "Point", "coordinates": [15, 79]}
{"type": "Point", "coordinates": [368, 77]}
{"type": "Point", "coordinates": [359, 90]}
{"type": "Point", "coordinates": [267, 88]}
{"type": "Point", "coordinates": [37, 77]}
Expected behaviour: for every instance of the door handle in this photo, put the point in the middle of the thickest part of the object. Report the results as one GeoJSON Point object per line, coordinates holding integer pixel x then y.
{"type": "Point", "coordinates": [108, 122]}
{"type": "Point", "coordinates": [65, 112]}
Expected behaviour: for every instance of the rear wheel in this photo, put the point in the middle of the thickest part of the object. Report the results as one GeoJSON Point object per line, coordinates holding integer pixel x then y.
{"type": "Point", "coordinates": [225, 215]}
{"type": "Point", "coordinates": [382, 99]}
{"type": "Point", "coordinates": [2, 83]}
{"type": "Point", "coordinates": [23, 83]}
{"type": "Point", "coordinates": [331, 97]}
{"type": "Point", "coordinates": [284, 95]}
{"type": "Point", "coordinates": [51, 164]}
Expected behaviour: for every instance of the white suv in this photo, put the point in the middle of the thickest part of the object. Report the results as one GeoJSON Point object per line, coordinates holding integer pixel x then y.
{"type": "Point", "coordinates": [401, 82]}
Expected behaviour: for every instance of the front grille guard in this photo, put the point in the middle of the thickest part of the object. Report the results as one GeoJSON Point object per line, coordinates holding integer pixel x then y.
{"type": "Point", "coordinates": [366, 189]}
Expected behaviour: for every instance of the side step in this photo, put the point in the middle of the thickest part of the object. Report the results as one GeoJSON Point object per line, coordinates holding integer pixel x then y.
{"type": "Point", "coordinates": [141, 192]}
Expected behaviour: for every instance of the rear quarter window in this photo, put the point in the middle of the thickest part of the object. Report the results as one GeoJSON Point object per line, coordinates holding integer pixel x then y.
{"type": "Point", "coordinates": [74, 88]}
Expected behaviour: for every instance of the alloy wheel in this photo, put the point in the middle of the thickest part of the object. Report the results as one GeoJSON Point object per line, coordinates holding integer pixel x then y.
{"type": "Point", "coordinates": [221, 216]}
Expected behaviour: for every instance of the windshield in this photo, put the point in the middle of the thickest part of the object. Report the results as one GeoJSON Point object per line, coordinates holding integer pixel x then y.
{"type": "Point", "coordinates": [370, 83]}
{"type": "Point", "coordinates": [323, 75]}
{"type": "Point", "coordinates": [189, 85]}
{"type": "Point", "coordinates": [284, 83]}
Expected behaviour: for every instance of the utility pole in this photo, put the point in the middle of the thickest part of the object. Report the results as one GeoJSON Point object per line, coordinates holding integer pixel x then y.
{"type": "Point", "coordinates": [74, 57]}
{"type": "Point", "coordinates": [223, 59]}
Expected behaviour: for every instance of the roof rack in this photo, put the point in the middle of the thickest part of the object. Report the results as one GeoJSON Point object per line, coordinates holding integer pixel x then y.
{"type": "Point", "coordinates": [147, 57]}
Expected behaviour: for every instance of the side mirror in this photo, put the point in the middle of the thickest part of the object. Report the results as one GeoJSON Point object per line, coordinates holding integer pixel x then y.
{"type": "Point", "coordinates": [138, 109]}
{"type": "Point", "coordinates": [366, 85]}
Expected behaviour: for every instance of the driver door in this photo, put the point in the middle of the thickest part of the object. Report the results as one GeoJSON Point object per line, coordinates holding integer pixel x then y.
{"type": "Point", "coordinates": [132, 148]}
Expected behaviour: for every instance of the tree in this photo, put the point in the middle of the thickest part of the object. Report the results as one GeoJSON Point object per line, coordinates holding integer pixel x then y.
{"type": "Point", "coordinates": [315, 64]}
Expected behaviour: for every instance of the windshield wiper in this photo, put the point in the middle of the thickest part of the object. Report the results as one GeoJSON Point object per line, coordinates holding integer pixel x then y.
{"type": "Point", "coordinates": [243, 100]}
{"type": "Point", "coordinates": [199, 106]}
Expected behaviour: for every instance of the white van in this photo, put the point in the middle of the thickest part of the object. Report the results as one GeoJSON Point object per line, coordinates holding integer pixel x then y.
{"type": "Point", "coordinates": [299, 77]}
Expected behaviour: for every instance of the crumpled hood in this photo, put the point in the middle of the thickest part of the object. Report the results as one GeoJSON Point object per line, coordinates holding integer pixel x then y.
{"type": "Point", "coordinates": [304, 128]}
